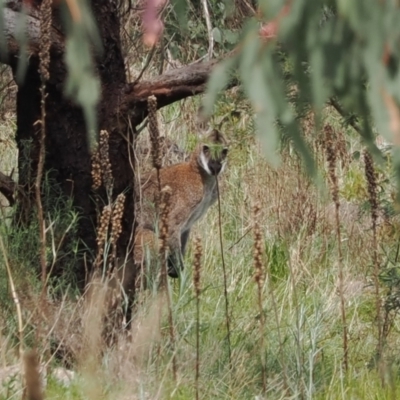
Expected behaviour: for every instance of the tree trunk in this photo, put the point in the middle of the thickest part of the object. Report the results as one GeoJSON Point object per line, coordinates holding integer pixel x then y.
{"type": "Point", "coordinates": [122, 107]}
{"type": "Point", "coordinates": [68, 162]}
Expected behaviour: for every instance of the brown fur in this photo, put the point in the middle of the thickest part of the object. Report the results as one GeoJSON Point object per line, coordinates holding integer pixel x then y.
{"type": "Point", "coordinates": [194, 190]}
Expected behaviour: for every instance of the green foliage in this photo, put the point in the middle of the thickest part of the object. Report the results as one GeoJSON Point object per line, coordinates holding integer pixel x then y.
{"type": "Point", "coordinates": [186, 31]}
{"type": "Point", "coordinates": [328, 50]}
{"type": "Point", "coordinates": [23, 43]}
{"type": "Point", "coordinates": [354, 186]}
{"type": "Point", "coordinates": [277, 259]}
{"type": "Point", "coordinates": [22, 244]}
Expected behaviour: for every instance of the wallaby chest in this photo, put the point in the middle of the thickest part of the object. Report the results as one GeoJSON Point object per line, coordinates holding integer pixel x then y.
{"type": "Point", "coordinates": [204, 203]}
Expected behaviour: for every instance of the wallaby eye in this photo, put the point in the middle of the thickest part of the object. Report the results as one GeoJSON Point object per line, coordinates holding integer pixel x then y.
{"type": "Point", "coordinates": [225, 152]}
{"type": "Point", "coordinates": [206, 149]}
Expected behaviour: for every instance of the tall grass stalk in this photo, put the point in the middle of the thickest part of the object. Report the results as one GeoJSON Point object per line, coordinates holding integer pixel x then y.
{"type": "Point", "coordinates": [259, 277]}
{"type": "Point", "coordinates": [164, 213]}
{"type": "Point", "coordinates": [227, 315]}
{"type": "Point", "coordinates": [278, 330]}
{"type": "Point", "coordinates": [15, 298]}
{"type": "Point", "coordinates": [44, 57]}
{"type": "Point", "coordinates": [331, 158]}
{"type": "Point", "coordinates": [154, 131]}
{"type": "Point", "coordinates": [197, 289]}
{"type": "Point", "coordinates": [372, 190]}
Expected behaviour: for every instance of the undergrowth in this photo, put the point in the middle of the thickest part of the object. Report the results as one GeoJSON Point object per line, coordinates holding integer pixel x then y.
{"type": "Point", "coordinates": [301, 305]}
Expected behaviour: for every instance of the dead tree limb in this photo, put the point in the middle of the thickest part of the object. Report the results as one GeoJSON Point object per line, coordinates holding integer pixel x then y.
{"type": "Point", "coordinates": [169, 87]}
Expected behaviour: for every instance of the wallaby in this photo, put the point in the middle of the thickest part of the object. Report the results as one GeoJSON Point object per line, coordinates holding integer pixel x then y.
{"type": "Point", "coordinates": [193, 190]}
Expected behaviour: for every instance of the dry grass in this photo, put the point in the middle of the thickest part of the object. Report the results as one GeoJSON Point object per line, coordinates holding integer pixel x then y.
{"type": "Point", "coordinates": [300, 298]}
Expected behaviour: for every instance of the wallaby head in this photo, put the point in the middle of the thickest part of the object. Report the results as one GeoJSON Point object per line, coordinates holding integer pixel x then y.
{"type": "Point", "coordinates": [212, 153]}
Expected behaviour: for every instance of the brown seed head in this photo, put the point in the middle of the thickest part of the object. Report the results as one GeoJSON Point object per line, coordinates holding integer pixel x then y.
{"type": "Point", "coordinates": [45, 39]}
{"type": "Point", "coordinates": [331, 159]}
{"type": "Point", "coordinates": [118, 212]}
{"type": "Point", "coordinates": [102, 229]}
{"type": "Point", "coordinates": [372, 186]}
{"type": "Point", "coordinates": [165, 206]}
{"type": "Point", "coordinates": [259, 275]}
{"type": "Point", "coordinates": [154, 132]}
{"type": "Point", "coordinates": [105, 160]}
{"type": "Point", "coordinates": [96, 170]}
{"type": "Point", "coordinates": [198, 252]}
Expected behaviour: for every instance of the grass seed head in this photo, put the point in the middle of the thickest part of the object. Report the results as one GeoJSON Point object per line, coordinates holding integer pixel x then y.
{"type": "Point", "coordinates": [198, 252]}
{"type": "Point", "coordinates": [105, 160]}
{"type": "Point", "coordinates": [156, 141]}
{"type": "Point", "coordinates": [45, 38]}
{"type": "Point", "coordinates": [259, 275]}
{"type": "Point", "coordinates": [96, 171]}
{"type": "Point", "coordinates": [331, 159]}
{"type": "Point", "coordinates": [372, 185]}
{"type": "Point", "coordinates": [118, 212]}
{"type": "Point", "coordinates": [103, 229]}
{"type": "Point", "coordinates": [165, 205]}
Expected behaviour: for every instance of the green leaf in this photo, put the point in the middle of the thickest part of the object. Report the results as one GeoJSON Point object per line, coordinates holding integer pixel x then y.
{"type": "Point", "coordinates": [230, 36]}
{"type": "Point", "coordinates": [266, 129]}
{"type": "Point", "coordinates": [181, 8]}
{"type": "Point", "coordinates": [22, 40]}
{"type": "Point", "coordinates": [217, 82]}
{"type": "Point", "coordinates": [271, 8]}
{"type": "Point", "coordinates": [216, 33]}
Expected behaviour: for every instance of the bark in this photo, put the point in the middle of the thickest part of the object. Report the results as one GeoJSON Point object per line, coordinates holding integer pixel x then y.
{"type": "Point", "coordinates": [170, 87]}
{"type": "Point", "coordinates": [122, 106]}
{"type": "Point", "coordinates": [68, 163]}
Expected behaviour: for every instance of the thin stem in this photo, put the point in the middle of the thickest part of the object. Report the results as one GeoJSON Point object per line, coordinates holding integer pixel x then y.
{"type": "Point", "coordinates": [14, 297]}
{"type": "Point", "coordinates": [227, 318]}
{"type": "Point", "coordinates": [280, 341]}
{"type": "Point", "coordinates": [38, 184]}
{"type": "Point", "coordinates": [197, 345]}
{"type": "Point", "coordinates": [209, 29]}
{"type": "Point", "coordinates": [262, 347]}
{"type": "Point", "coordinates": [164, 210]}
{"type": "Point", "coordinates": [341, 287]}
{"type": "Point", "coordinates": [331, 158]}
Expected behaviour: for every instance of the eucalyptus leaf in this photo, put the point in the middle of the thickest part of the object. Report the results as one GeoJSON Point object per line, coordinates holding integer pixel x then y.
{"type": "Point", "coordinates": [216, 33]}
{"type": "Point", "coordinates": [22, 40]}
{"type": "Point", "coordinates": [181, 8]}
{"type": "Point", "coordinates": [327, 50]}
{"type": "Point", "coordinates": [217, 82]}
{"type": "Point", "coordinates": [230, 36]}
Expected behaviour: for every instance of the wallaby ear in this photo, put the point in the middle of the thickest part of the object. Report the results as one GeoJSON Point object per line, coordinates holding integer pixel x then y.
{"type": "Point", "coordinates": [215, 136]}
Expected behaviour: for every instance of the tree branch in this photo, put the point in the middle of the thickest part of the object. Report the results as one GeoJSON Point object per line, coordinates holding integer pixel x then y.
{"type": "Point", "coordinates": [170, 87]}
{"type": "Point", "coordinates": [7, 188]}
